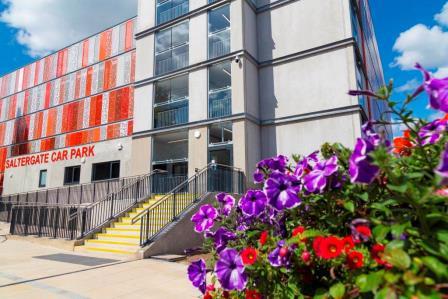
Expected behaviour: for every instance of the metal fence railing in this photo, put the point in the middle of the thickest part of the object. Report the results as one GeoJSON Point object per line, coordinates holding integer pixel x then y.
{"type": "Point", "coordinates": [75, 221]}
{"type": "Point", "coordinates": [213, 178]}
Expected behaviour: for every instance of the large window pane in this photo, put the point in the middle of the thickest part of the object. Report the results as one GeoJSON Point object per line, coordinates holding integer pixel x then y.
{"type": "Point", "coordinates": [172, 48]}
{"type": "Point", "coordinates": [170, 9]}
{"type": "Point", "coordinates": [220, 95]}
{"type": "Point", "coordinates": [220, 133]}
{"type": "Point", "coordinates": [219, 32]}
{"type": "Point", "coordinates": [106, 171]}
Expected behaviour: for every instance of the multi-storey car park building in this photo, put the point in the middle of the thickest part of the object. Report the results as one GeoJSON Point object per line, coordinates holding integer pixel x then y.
{"type": "Point", "coordinates": [188, 82]}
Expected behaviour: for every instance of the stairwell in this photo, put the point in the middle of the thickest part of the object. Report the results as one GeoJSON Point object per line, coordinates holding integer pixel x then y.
{"type": "Point", "coordinates": [121, 237]}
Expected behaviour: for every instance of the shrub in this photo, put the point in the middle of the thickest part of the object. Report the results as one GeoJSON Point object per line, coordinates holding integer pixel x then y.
{"type": "Point", "coordinates": [369, 222]}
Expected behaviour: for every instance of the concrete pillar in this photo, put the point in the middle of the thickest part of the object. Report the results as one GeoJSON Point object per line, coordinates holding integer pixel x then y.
{"type": "Point", "coordinates": [197, 149]}
{"type": "Point", "coordinates": [141, 156]}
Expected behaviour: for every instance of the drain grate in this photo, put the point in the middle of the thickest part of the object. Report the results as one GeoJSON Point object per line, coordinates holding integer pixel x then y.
{"type": "Point", "coordinates": [76, 259]}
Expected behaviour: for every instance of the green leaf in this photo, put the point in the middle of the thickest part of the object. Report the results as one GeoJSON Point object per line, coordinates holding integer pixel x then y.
{"type": "Point", "coordinates": [442, 235]}
{"type": "Point", "coordinates": [337, 291]}
{"type": "Point", "coordinates": [380, 232]}
{"type": "Point", "coordinates": [397, 257]}
{"type": "Point", "coordinates": [320, 294]}
{"type": "Point", "coordinates": [399, 189]}
{"type": "Point", "coordinates": [386, 293]}
{"type": "Point", "coordinates": [364, 196]}
{"type": "Point", "coordinates": [311, 233]}
{"type": "Point", "coordinates": [415, 175]}
{"type": "Point", "coordinates": [436, 266]}
{"type": "Point", "coordinates": [369, 282]}
{"type": "Point", "coordinates": [349, 206]}
{"type": "Point", "coordinates": [410, 278]}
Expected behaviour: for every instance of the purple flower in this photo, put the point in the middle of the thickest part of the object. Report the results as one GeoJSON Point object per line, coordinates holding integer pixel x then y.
{"type": "Point", "coordinates": [280, 256]}
{"type": "Point", "coordinates": [316, 180]}
{"type": "Point", "coordinates": [230, 270]}
{"type": "Point", "coordinates": [281, 190]}
{"type": "Point", "coordinates": [442, 168]}
{"type": "Point", "coordinates": [270, 164]}
{"type": "Point", "coordinates": [432, 132]}
{"type": "Point", "coordinates": [204, 219]}
{"type": "Point", "coordinates": [361, 168]}
{"type": "Point", "coordinates": [221, 237]}
{"type": "Point", "coordinates": [253, 203]}
{"type": "Point", "coordinates": [307, 164]}
{"type": "Point", "coordinates": [437, 89]}
{"type": "Point", "coordinates": [360, 230]}
{"type": "Point", "coordinates": [196, 273]}
{"type": "Point", "coordinates": [227, 203]}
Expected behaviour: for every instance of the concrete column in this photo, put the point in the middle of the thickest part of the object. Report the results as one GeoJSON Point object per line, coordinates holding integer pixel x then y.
{"type": "Point", "coordinates": [198, 96]}
{"type": "Point", "coordinates": [198, 38]}
{"type": "Point", "coordinates": [143, 112]}
{"type": "Point", "coordinates": [236, 25]}
{"type": "Point", "coordinates": [197, 149]}
{"type": "Point", "coordinates": [194, 4]}
{"type": "Point", "coordinates": [146, 14]}
{"type": "Point", "coordinates": [141, 156]}
{"type": "Point", "coordinates": [238, 94]}
{"type": "Point", "coordinates": [145, 58]}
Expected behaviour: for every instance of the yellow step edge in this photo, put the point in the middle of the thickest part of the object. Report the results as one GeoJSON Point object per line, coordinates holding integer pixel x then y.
{"type": "Point", "coordinates": [118, 236]}
{"type": "Point", "coordinates": [118, 251]}
{"type": "Point", "coordinates": [110, 242]}
{"type": "Point", "coordinates": [123, 229]}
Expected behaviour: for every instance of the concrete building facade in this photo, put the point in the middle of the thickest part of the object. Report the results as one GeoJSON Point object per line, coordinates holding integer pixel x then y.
{"type": "Point", "coordinates": [232, 81]}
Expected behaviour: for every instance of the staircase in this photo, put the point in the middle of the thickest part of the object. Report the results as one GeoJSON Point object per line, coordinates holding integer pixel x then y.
{"type": "Point", "coordinates": [121, 237]}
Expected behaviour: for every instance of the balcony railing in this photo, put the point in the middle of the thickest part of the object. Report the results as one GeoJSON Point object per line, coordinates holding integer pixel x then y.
{"type": "Point", "coordinates": [172, 13]}
{"type": "Point", "coordinates": [171, 117]}
{"type": "Point", "coordinates": [219, 43]}
{"type": "Point", "coordinates": [172, 63]}
{"type": "Point", "coordinates": [220, 107]}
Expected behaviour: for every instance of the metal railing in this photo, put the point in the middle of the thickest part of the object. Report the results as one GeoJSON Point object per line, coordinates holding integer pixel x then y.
{"type": "Point", "coordinates": [75, 221]}
{"type": "Point", "coordinates": [171, 117]}
{"type": "Point", "coordinates": [220, 107]}
{"type": "Point", "coordinates": [219, 43]}
{"type": "Point", "coordinates": [172, 13]}
{"type": "Point", "coordinates": [73, 194]}
{"type": "Point", "coordinates": [174, 62]}
{"type": "Point", "coordinates": [213, 178]}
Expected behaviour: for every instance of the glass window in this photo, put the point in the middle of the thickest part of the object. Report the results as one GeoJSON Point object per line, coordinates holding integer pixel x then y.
{"type": "Point", "coordinates": [172, 48]}
{"type": "Point", "coordinates": [71, 175]}
{"type": "Point", "coordinates": [171, 102]}
{"type": "Point", "coordinates": [43, 178]}
{"type": "Point", "coordinates": [106, 171]}
{"type": "Point", "coordinates": [219, 31]}
{"type": "Point", "coordinates": [170, 9]}
{"type": "Point", "coordinates": [220, 133]}
{"type": "Point", "coordinates": [220, 81]}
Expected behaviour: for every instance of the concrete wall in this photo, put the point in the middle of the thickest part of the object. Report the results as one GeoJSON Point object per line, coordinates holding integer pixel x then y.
{"type": "Point", "coordinates": [197, 149]}
{"type": "Point", "coordinates": [141, 156]}
{"type": "Point", "coordinates": [23, 179]}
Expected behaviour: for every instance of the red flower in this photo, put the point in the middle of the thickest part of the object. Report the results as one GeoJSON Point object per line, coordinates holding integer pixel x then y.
{"type": "Point", "coordinates": [306, 256]}
{"type": "Point", "coordinates": [348, 243]}
{"type": "Point", "coordinates": [355, 260]}
{"type": "Point", "coordinates": [263, 237]}
{"type": "Point", "coordinates": [208, 296]}
{"type": "Point", "coordinates": [298, 230]}
{"type": "Point", "coordinates": [364, 230]}
{"type": "Point", "coordinates": [252, 294]}
{"type": "Point", "coordinates": [403, 145]}
{"type": "Point", "coordinates": [249, 256]}
{"type": "Point", "coordinates": [329, 248]}
{"type": "Point", "coordinates": [376, 253]}
{"type": "Point", "coordinates": [316, 243]}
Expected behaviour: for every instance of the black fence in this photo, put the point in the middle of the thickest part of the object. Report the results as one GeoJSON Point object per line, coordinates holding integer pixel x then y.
{"type": "Point", "coordinates": [213, 178]}
{"type": "Point", "coordinates": [75, 221]}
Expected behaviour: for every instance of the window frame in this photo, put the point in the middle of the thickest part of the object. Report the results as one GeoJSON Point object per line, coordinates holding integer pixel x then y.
{"type": "Point", "coordinates": [42, 171]}
{"type": "Point", "coordinates": [212, 34]}
{"type": "Point", "coordinates": [72, 168]}
{"type": "Point", "coordinates": [110, 170]}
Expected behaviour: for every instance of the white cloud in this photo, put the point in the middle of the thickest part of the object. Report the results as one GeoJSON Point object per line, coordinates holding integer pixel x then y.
{"type": "Point", "coordinates": [428, 46]}
{"type": "Point", "coordinates": [411, 85]}
{"type": "Point", "coordinates": [44, 26]}
{"type": "Point", "coordinates": [442, 17]}
{"type": "Point", "coordinates": [441, 72]}
{"type": "Point", "coordinates": [435, 115]}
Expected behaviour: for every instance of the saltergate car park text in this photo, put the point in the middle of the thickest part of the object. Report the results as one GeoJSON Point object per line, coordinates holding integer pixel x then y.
{"type": "Point", "coordinates": [44, 158]}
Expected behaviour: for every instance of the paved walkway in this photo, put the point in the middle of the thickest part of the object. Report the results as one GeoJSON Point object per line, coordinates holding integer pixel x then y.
{"type": "Point", "coordinates": [29, 270]}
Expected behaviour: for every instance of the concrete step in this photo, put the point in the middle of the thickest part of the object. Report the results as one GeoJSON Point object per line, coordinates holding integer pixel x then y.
{"type": "Point", "coordinates": [127, 220]}
{"type": "Point", "coordinates": [123, 231]}
{"type": "Point", "coordinates": [108, 250]}
{"type": "Point", "coordinates": [96, 241]}
{"type": "Point", "coordinates": [126, 225]}
{"type": "Point", "coordinates": [116, 246]}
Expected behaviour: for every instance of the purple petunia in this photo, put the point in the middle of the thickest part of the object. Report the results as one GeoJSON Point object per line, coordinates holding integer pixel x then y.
{"type": "Point", "coordinates": [230, 270]}
{"type": "Point", "coordinates": [278, 163]}
{"type": "Point", "coordinates": [227, 203]}
{"type": "Point", "coordinates": [442, 168]}
{"type": "Point", "coordinates": [361, 168]}
{"type": "Point", "coordinates": [306, 165]}
{"type": "Point", "coordinates": [253, 203]}
{"type": "Point", "coordinates": [280, 256]}
{"type": "Point", "coordinates": [316, 180]}
{"type": "Point", "coordinates": [196, 273]}
{"type": "Point", "coordinates": [204, 219]}
{"type": "Point", "coordinates": [432, 132]}
{"type": "Point", "coordinates": [437, 89]}
{"type": "Point", "coordinates": [281, 190]}
{"type": "Point", "coordinates": [221, 237]}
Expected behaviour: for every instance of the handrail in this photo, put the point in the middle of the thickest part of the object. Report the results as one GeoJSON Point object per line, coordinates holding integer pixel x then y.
{"type": "Point", "coordinates": [212, 178]}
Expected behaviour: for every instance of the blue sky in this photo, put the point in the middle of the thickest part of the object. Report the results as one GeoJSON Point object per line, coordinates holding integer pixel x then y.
{"type": "Point", "coordinates": [391, 18]}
